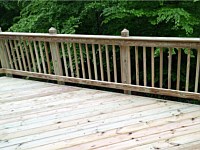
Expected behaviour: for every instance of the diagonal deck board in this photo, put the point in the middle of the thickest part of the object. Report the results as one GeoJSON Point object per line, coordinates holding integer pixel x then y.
{"type": "Point", "coordinates": [38, 115]}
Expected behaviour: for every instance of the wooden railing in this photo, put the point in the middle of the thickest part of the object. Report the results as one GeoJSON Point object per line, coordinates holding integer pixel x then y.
{"type": "Point", "coordinates": [106, 61]}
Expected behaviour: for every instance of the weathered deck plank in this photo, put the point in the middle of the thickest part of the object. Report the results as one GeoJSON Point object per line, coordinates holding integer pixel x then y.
{"type": "Point", "coordinates": [38, 115]}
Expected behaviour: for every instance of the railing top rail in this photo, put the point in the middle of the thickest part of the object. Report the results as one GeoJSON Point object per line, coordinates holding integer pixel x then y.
{"type": "Point", "coordinates": [100, 37]}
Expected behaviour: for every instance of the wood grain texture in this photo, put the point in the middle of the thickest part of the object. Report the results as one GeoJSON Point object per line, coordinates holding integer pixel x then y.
{"type": "Point", "coordinates": [76, 61]}
{"type": "Point", "coordinates": [137, 66]}
{"type": "Point", "coordinates": [32, 56]}
{"type": "Point", "coordinates": [27, 55]}
{"type": "Point", "coordinates": [197, 71]}
{"type": "Point", "coordinates": [121, 86]}
{"type": "Point", "coordinates": [101, 62]}
{"type": "Point", "coordinates": [37, 115]}
{"type": "Point", "coordinates": [18, 56]}
{"type": "Point", "coordinates": [64, 59]}
{"type": "Point", "coordinates": [13, 54]}
{"type": "Point", "coordinates": [169, 68]}
{"type": "Point", "coordinates": [70, 59]}
{"type": "Point", "coordinates": [114, 63]}
{"type": "Point", "coordinates": [88, 61]}
{"type": "Point", "coordinates": [161, 68]}
{"type": "Point", "coordinates": [178, 70]}
{"type": "Point", "coordinates": [94, 62]}
{"type": "Point", "coordinates": [82, 61]}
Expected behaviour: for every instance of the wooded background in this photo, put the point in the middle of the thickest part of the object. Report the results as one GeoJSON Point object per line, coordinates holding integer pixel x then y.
{"type": "Point", "coordinates": [141, 18]}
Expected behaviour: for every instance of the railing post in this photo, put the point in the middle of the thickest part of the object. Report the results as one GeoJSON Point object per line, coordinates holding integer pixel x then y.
{"type": "Point", "coordinates": [55, 55]}
{"type": "Point", "coordinates": [3, 54]}
{"type": "Point", "coordinates": [125, 61]}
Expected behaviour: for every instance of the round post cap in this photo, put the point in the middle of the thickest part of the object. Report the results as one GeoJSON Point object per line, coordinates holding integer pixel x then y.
{"type": "Point", "coordinates": [125, 33]}
{"type": "Point", "coordinates": [52, 30]}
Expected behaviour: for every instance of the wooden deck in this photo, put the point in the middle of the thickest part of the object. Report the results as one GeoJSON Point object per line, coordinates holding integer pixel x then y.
{"type": "Point", "coordinates": [45, 116]}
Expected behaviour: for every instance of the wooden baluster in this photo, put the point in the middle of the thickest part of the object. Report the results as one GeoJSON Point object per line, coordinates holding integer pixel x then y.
{"type": "Point", "coordinates": [178, 69]}
{"type": "Point", "coordinates": [137, 65]}
{"type": "Point", "coordinates": [76, 60]}
{"type": "Point", "coordinates": [169, 68]}
{"type": "Point", "coordinates": [9, 55]}
{"type": "Point", "coordinates": [161, 68]}
{"type": "Point", "coordinates": [23, 58]}
{"type": "Point", "coordinates": [82, 60]}
{"type": "Point", "coordinates": [3, 54]}
{"type": "Point", "coordinates": [18, 56]}
{"type": "Point", "coordinates": [88, 61]}
{"type": "Point", "coordinates": [27, 56]}
{"type": "Point", "coordinates": [101, 63]}
{"type": "Point", "coordinates": [47, 57]}
{"type": "Point", "coordinates": [114, 63]}
{"type": "Point", "coordinates": [125, 62]}
{"type": "Point", "coordinates": [95, 62]}
{"type": "Point", "coordinates": [32, 56]}
{"type": "Point", "coordinates": [70, 60]}
{"type": "Point", "coordinates": [37, 56]}
{"type": "Point", "coordinates": [55, 55]}
{"type": "Point", "coordinates": [107, 63]}
{"type": "Point", "coordinates": [152, 67]}
{"type": "Point", "coordinates": [13, 55]}
{"type": "Point", "coordinates": [64, 59]}
{"type": "Point", "coordinates": [187, 71]}
{"type": "Point", "coordinates": [197, 71]}
{"type": "Point", "coordinates": [144, 66]}
{"type": "Point", "coordinates": [42, 55]}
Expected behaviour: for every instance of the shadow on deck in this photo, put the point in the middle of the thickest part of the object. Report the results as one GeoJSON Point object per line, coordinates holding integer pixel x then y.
{"type": "Point", "coordinates": [38, 115]}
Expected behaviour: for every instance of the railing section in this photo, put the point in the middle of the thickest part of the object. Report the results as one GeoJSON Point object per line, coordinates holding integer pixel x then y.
{"type": "Point", "coordinates": [122, 62]}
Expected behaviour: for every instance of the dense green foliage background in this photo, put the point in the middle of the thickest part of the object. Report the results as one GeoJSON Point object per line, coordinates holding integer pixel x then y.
{"type": "Point", "coordinates": [141, 18]}
{"type": "Point", "coordinates": [149, 18]}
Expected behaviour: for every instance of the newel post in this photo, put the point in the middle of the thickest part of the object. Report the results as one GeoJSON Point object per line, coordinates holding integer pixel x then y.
{"type": "Point", "coordinates": [55, 55]}
{"type": "Point", "coordinates": [3, 54]}
{"type": "Point", "coordinates": [125, 61]}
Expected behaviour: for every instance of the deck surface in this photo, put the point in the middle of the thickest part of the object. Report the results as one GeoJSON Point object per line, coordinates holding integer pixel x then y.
{"type": "Point", "coordinates": [46, 116]}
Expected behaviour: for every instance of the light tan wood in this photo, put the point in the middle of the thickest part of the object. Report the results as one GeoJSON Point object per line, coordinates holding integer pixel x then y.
{"type": "Point", "coordinates": [101, 62]}
{"type": "Point", "coordinates": [104, 39]}
{"type": "Point", "coordinates": [169, 68]}
{"type": "Point", "coordinates": [55, 54]}
{"type": "Point", "coordinates": [88, 61]}
{"type": "Point", "coordinates": [197, 71]}
{"type": "Point", "coordinates": [114, 63]}
{"type": "Point", "coordinates": [137, 66]}
{"type": "Point", "coordinates": [22, 55]}
{"type": "Point", "coordinates": [64, 59]}
{"type": "Point", "coordinates": [82, 61]}
{"type": "Point", "coordinates": [152, 67]}
{"type": "Point", "coordinates": [145, 66]}
{"type": "Point", "coordinates": [188, 71]}
{"type": "Point", "coordinates": [47, 57]}
{"type": "Point", "coordinates": [178, 69]}
{"type": "Point", "coordinates": [70, 59]}
{"type": "Point", "coordinates": [18, 56]}
{"type": "Point", "coordinates": [94, 62]}
{"type": "Point", "coordinates": [89, 119]}
{"type": "Point", "coordinates": [27, 55]}
{"type": "Point", "coordinates": [13, 55]}
{"type": "Point", "coordinates": [76, 61]}
{"type": "Point", "coordinates": [42, 57]}
{"type": "Point", "coordinates": [3, 55]}
{"type": "Point", "coordinates": [9, 54]}
{"type": "Point", "coordinates": [79, 141]}
{"type": "Point", "coordinates": [161, 68]}
{"type": "Point", "coordinates": [32, 56]}
{"type": "Point", "coordinates": [37, 57]}
{"type": "Point", "coordinates": [107, 63]}
{"type": "Point", "coordinates": [120, 86]}
{"type": "Point", "coordinates": [125, 61]}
